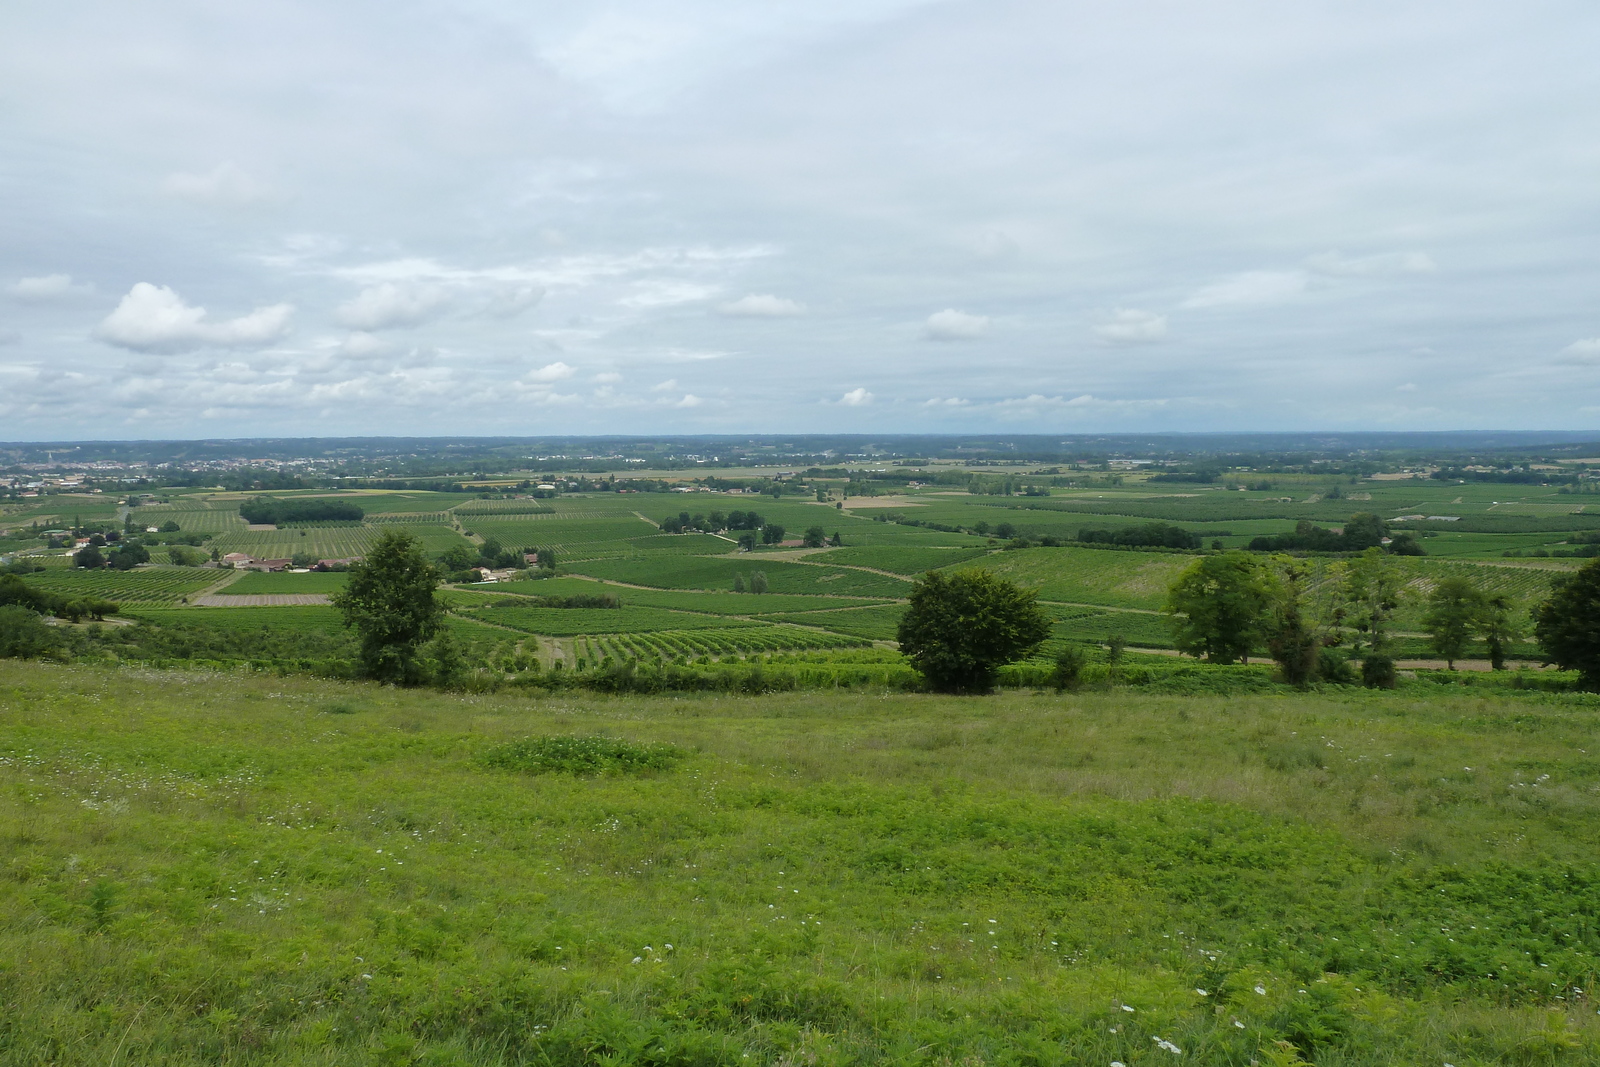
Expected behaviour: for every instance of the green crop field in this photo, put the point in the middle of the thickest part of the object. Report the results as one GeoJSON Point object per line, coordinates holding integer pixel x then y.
{"type": "Point", "coordinates": [712, 603]}
{"type": "Point", "coordinates": [257, 583]}
{"type": "Point", "coordinates": [143, 585]}
{"type": "Point", "coordinates": [191, 516]}
{"type": "Point", "coordinates": [701, 572]}
{"type": "Point", "coordinates": [338, 542]}
{"type": "Point", "coordinates": [1090, 576]}
{"type": "Point", "coordinates": [1096, 627]}
{"type": "Point", "coordinates": [59, 511]}
{"type": "Point", "coordinates": [673, 644]}
{"type": "Point", "coordinates": [474, 508]}
{"type": "Point", "coordinates": [411, 518]}
{"type": "Point", "coordinates": [873, 624]}
{"type": "Point", "coordinates": [284, 870]}
{"type": "Point", "coordinates": [313, 619]}
{"type": "Point", "coordinates": [562, 622]}
{"type": "Point", "coordinates": [908, 560]}
{"type": "Point", "coordinates": [532, 530]}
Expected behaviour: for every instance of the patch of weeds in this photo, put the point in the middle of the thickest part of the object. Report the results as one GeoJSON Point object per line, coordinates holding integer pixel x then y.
{"type": "Point", "coordinates": [582, 756]}
{"type": "Point", "coordinates": [1293, 757]}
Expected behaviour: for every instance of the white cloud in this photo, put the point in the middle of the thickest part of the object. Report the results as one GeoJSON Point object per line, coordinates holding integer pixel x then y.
{"type": "Point", "coordinates": [47, 287]}
{"type": "Point", "coordinates": [1408, 387]}
{"type": "Point", "coordinates": [1383, 264]}
{"type": "Point", "coordinates": [1129, 326]}
{"type": "Point", "coordinates": [361, 345]}
{"type": "Point", "coordinates": [689, 401]}
{"type": "Point", "coordinates": [1581, 352]}
{"type": "Point", "coordinates": [1251, 287]}
{"type": "Point", "coordinates": [153, 318]}
{"type": "Point", "coordinates": [668, 386]}
{"type": "Point", "coordinates": [512, 301]}
{"type": "Point", "coordinates": [390, 304]}
{"type": "Point", "coordinates": [608, 377]}
{"type": "Point", "coordinates": [856, 398]}
{"type": "Point", "coordinates": [947, 402]}
{"type": "Point", "coordinates": [762, 306]}
{"type": "Point", "coordinates": [224, 185]}
{"type": "Point", "coordinates": [953, 325]}
{"type": "Point", "coordinates": [550, 372]}
{"type": "Point", "coordinates": [658, 292]}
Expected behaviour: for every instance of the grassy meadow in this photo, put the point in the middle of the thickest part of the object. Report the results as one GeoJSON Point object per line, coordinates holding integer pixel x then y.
{"type": "Point", "coordinates": [245, 869]}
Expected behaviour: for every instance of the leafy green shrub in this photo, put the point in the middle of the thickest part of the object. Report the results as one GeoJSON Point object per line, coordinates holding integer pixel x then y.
{"type": "Point", "coordinates": [23, 634]}
{"type": "Point", "coordinates": [1377, 671]}
{"type": "Point", "coordinates": [1334, 666]}
{"type": "Point", "coordinates": [1069, 665]}
{"type": "Point", "coordinates": [582, 756]}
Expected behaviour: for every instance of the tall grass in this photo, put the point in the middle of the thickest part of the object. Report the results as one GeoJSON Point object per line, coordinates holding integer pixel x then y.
{"type": "Point", "coordinates": [240, 869]}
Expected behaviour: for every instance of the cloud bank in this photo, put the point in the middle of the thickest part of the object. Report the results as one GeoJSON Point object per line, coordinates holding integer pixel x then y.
{"type": "Point", "coordinates": [517, 217]}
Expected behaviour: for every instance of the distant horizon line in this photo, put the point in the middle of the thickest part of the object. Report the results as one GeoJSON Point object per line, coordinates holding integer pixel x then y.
{"type": "Point", "coordinates": [1565, 435]}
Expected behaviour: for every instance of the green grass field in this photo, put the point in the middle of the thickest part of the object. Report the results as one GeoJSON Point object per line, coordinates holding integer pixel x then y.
{"type": "Point", "coordinates": [267, 870]}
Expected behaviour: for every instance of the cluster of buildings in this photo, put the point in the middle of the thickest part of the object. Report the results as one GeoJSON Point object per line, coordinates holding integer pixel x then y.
{"type": "Point", "coordinates": [243, 561]}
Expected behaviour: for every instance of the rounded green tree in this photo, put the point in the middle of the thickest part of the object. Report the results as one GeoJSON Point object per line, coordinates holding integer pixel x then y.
{"type": "Point", "coordinates": [1221, 606]}
{"type": "Point", "coordinates": [960, 629]}
{"type": "Point", "coordinates": [1568, 624]}
{"type": "Point", "coordinates": [1456, 611]}
{"type": "Point", "coordinates": [391, 603]}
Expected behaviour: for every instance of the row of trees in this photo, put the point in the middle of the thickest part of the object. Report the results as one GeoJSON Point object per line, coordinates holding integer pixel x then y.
{"type": "Point", "coordinates": [757, 584]}
{"type": "Point", "coordinates": [753, 525]}
{"type": "Point", "coordinates": [716, 522]}
{"type": "Point", "coordinates": [282, 511]}
{"type": "Point", "coordinates": [1361, 531]}
{"type": "Point", "coordinates": [1149, 535]}
{"type": "Point", "coordinates": [14, 592]}
{"type": "Point", "coordinates": [127, 555]}
{"type": "Point", "coordinates": [1227, 605]}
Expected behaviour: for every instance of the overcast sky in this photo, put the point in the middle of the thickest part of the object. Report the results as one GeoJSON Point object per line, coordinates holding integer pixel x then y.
{"type": "Point", "coordinates": [417, 217]}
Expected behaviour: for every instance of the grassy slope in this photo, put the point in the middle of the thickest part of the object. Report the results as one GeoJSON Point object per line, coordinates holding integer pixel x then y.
{"type": "Point", "coordinates": [286, 871]}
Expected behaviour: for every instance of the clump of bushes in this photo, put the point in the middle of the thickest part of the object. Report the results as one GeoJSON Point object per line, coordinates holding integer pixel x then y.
{"type": "Point", "coordinates": [584, 756]}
